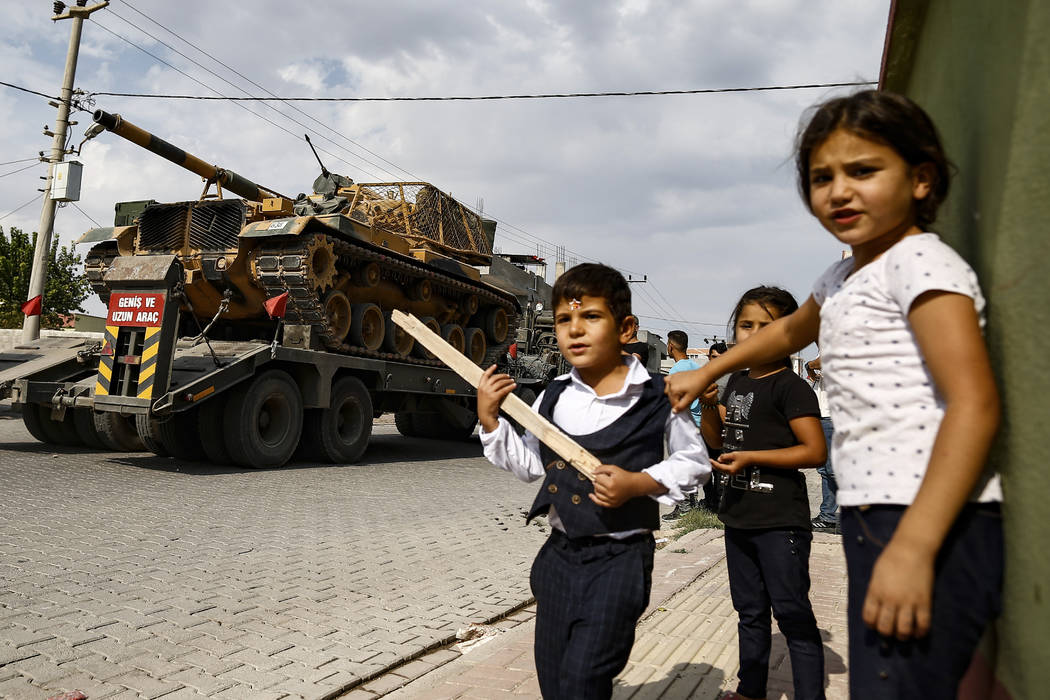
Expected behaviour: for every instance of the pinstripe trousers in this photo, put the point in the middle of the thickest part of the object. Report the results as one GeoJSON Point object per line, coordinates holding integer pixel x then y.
{"type": "Point", "coordinates": [590, 593]}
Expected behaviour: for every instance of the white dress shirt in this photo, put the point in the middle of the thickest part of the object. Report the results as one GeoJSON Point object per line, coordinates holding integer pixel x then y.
{"type": "Point", "coordinates": [579, 411]}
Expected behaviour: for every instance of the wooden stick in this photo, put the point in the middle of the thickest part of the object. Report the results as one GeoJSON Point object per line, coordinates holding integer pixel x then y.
{"type": "Point", "coordinates": [513, 406]}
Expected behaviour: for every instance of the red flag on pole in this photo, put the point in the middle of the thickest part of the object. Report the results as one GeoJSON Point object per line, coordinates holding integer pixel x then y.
{"type": "Point", "coordinates": [33, 306]}
{"type": "Point", "coordinates": [275, 306]}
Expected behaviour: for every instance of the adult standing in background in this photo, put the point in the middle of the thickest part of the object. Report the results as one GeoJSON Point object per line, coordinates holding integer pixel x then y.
{"type": "Point", "coordinates": [636, 347]}
{"type": "Point", "coordinates": [712, 489]}
{"type": "Point", "coordinates": [828, 519]}
{"type": "Point", "coordinates": [677, 345]}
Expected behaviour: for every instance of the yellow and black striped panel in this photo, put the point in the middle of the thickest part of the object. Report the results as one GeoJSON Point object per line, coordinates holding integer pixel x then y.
{"type": "Point", "coordinates": [105, 363]}
{"type": "Point", "coordinates": [148, 366]}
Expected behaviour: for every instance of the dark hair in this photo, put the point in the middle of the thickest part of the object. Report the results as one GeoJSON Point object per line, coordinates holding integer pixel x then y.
{"type": "Point", "coordinates": [768, 298]}
{"type": "Point", "coordinates": [595, 280]}
{"type": "Point", "coordinates": [680, 339]}
{"type": "Point", "coordinates": [889, 119]}
{"type": "Point", "coordinates": [720, 347]}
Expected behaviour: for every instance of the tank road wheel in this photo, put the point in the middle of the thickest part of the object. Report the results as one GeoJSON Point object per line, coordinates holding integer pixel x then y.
{"type": "Point", "coordinates": [475, 345]}
{"type": "Point", "coordinates": [454, 336]}
{"type": "Point", "coordinates": [405, 423]}
{"type": "Point", "coordinates": [117, 432]}
{"type": "Point", "coordinates": [85, 425]}
{"type": "Point", "coordinates": [338, 314]}
{"type": "Point", "coordinates": [395, 339]}
{"type": "Point", "coordinates": [210, 430]}
{"type": "Point", "coordinates": [148, 428]}
{"type": "Point", "coordinates": [320, 262]}
{"type": "Point", "coordinates": [418, 350]}
{"type": "Point", "coordinates": [367, 326]}
{"type": "Point", "coordinates": [263, 420]}
{"type": "Point", "coordinates": [496, 325]}
{"type": "Point", "coordinates": [340, 432]}
{"type": "Point", "coordinates": [179, 434]}
{"type": "Point", "coordinates": [33, 421]}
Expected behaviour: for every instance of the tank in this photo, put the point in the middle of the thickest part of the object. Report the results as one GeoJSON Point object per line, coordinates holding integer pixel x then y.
{"type": "Point", "coordinates": [345, 256]}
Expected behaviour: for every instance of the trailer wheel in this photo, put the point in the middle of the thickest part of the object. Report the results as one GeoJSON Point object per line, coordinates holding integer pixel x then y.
{"type": "Point", "coordinates": [148, 428]}
{"type": "Point", "coordinates": [405, 423]}
{"type": "Point", "coordinates": [117, 432]}
{"type": "Point", "coordinates": [210, 430]}
{"type": "Point", "coordinates": [33, 421]}
{"type": "Point", "coordinates": [263, 420]}
{"type": "Point", "coordinates": [178, 435]}
{"type": "Point", "coordinates": [58, 432]}
{"type": "Point", "coordinates": [340, 432]}
{"type": "Point", "coordinates": [84, 422]}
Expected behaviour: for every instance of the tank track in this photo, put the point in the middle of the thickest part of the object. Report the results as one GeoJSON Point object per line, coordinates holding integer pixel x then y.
{"type": "Point", "coordinates": [98, 259]}
{"type": "Point", "coordinates": [282, 268]}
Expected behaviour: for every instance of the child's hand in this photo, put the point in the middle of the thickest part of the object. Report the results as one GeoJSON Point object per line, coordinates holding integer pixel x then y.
{"type": "Point", "coordinates": [613, 486]}
{"type": "Point", "coordinates": [709, 397]}
{"type": "Point", "coordinates": [899, 595]}
{"type": "Point", "coordinates": [733, 462]}
{"type": "Point", "coordinates": [492, 389]}
{"type": "Point", "coordinates": [682, 388]}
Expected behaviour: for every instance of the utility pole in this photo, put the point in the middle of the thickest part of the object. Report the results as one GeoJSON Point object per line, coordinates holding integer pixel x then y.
{"type": "Point", "coordinates": [38, 276]}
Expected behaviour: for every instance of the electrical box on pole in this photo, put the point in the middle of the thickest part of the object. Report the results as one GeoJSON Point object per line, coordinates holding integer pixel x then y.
{"type": "Point", "coordinates": [66, 185]}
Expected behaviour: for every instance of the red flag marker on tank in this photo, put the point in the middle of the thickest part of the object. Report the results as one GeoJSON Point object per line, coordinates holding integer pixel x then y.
{"type": "Point", "coordinates": [275, 306]}
{"type": "Point", "coordinates": [33, 306]}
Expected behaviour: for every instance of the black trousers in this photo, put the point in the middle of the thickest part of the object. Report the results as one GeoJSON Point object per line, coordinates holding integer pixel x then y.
{"type": "Point", "coordinates": [967, 597]}
{"type": "Point", "coordinates": [770, 569]}
{"type": "Point", "coordinates": [590, 593]}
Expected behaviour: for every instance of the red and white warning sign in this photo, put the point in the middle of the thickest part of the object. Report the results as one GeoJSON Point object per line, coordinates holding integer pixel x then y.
{"type": "Point", "coordinates": [135, 309]}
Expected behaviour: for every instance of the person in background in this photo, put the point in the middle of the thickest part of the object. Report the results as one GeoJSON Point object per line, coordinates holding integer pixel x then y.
{"type": "Point", "coordinates": [677, 346]}
{"type": "Point", "coordinates": [635, 347]}
{"type": "Point", "coordinates": [828, 518]}
{"type": "Point", "coordinates": [713, 489]}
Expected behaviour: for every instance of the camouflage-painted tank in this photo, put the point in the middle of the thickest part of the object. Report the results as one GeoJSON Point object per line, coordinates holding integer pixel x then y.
{"type": "Point", "coordinates": [345, 255]}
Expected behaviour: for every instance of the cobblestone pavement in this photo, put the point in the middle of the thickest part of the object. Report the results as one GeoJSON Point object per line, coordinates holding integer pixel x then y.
{"type": "Point", "coordinates": [686, 645]}
{"type": "Point", "coordinates": [127, 575]}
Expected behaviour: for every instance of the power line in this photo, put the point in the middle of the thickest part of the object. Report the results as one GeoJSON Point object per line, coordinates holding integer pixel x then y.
{"type": "Point", "coordinates": [86, 215]}
{"type": "Point", "coordinates": [269, 121]}
{"type": "Point", "coordinates": [682, 321]}
{"type": "Point", "coordinates": [20, 207]}
{"type": "Point", "coordinates": [31, 92]}
{"type": "Point", "coordinates": [268, 92]}
{"type": "Point", "coordinates": [23, 160]}
{"type": "Point", "coordinates": [471, 98]}
{"type": "Point", "coordinates": [13, 172]}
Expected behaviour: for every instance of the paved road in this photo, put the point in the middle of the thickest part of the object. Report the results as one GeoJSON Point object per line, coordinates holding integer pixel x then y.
{"type": "Point", "coordinates": [128, 575]}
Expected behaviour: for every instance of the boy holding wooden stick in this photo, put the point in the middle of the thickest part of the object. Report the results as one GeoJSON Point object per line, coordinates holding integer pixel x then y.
{"type": "Point", "coordinates": [592, 577]}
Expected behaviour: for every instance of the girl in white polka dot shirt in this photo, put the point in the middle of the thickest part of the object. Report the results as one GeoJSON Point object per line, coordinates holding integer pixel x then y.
{"type": "Point", "coordinates": [912, 397]}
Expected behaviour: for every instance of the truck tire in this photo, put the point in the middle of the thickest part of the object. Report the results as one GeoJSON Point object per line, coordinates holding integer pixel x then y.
{"type": "Point", "coordinates": [33, 422]}
{"type": "Point", "coordinates": [264, 420]}
{"type": "Point", "coordinates": [435, 426]}
{"type": "Point", "coordinates": [148, 428]}
{"type": "Point", "coordinates": [210, 430]}
{"type": "Point", "coordinates": [58, 432]}
{"type": "Point", "coordinates": [84, 422]}
{"type": "Point", "coordinates": [179, 435]}
{"type": "Point", "coordinates": [117, 432]}
{"type": "Point", "coordinates": [340, 432]}
{"type": "Point", "coordinates": [405, 423]}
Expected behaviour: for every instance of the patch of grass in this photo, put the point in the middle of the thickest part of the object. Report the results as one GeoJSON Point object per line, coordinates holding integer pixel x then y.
{"type": "Point", "coordinates": [696, 519]}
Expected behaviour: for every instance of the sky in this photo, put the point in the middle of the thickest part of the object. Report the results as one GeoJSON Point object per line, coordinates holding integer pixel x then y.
{"type": "Point", "coordinates": [693, 193]}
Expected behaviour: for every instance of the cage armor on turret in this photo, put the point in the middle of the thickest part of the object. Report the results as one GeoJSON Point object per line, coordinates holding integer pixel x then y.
{"type": "Point", "coordinates": [345, 255]}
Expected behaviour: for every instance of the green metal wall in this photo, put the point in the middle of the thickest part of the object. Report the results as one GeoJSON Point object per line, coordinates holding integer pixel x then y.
{"type": "Point", "coordinates": [982, 70]}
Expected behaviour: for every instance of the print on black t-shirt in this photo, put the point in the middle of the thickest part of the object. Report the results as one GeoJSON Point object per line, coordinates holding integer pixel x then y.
{"type": "Point", "coordinates": [738, 414]}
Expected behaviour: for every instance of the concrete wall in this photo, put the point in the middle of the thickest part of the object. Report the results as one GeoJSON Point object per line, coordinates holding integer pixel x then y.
{"type": "Point", "coordinates": [982, 70]}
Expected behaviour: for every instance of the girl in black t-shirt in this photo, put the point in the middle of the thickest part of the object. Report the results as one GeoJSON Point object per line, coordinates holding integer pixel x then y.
{"type": "Point", "coordinates": [768, 426]}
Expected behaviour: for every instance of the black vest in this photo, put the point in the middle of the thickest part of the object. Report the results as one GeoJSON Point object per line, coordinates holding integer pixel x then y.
{"type": "Point", "coordinates": [634, 442]}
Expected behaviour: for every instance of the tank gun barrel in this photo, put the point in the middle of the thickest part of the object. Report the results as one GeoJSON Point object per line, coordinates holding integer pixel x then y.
{"type": "Point", "coordinates": [140, 137]}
